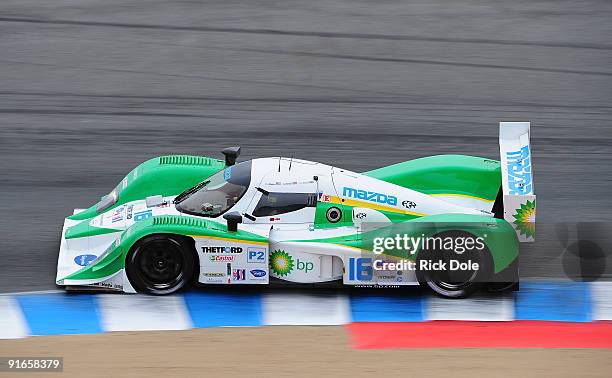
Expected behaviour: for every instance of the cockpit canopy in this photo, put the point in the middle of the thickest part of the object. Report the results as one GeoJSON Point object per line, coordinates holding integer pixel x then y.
{"type": "Point", "coordinates": [218, 193]}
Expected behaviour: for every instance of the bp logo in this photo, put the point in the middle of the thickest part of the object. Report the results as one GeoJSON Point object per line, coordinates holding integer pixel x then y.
{"type": "Point", "coordinates": [525, 218]}
{"type": "Point", "coordinates": [281, 262]}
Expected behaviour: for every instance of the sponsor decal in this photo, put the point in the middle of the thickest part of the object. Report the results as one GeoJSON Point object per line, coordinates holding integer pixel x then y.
{"type": "Point", "coordinates": [365, 195]}
{"type": "Point", "coordinates": [525, 218]}
{"type": "Point", "coordinates": [258, 273]}
{"type": "Point", "coordinates": [228, 173]}
{"type": "Point", "coordinates": [306, 266]}
{"type": "Point", "coordinates": [408, 204]}
{"type": "Point", "coordinates": [239, 274]}
{"type": "Point", "coordinates": [142, 215]}
{"type": "Point", "coordinates": [213, 277]}
{"type": "Point", "coordinates": [360, 269]}
{"type": "Point", "coordinates": [281, 262]}
{"type": "Point", "coordinates": [207, 249]}
{"type": "Point", "coordinates": [117, 214]}
{"type": "Point", "coordinates": [519, 172]}
{"type": "Point", "coordinates": [274, 219]}
{"type": "Point", "coordinates": [84, 260]}
{"type": "Point", "coordinates": [222, 258]}
{"type": "Point", "coordinates": [360, 215]}
{"type": "Point", "coordinates": [324, 197]}
{"type": "Point", "coordinates": [256, 255]}
{"type": "Point", "coordinates": [130, 209]}
{"type": "Point", "coordinates": [213, 274]}
{"type": "Point", "coordinates": [124, 182]}
{"type": "Point", "coordinates": [108, 285]}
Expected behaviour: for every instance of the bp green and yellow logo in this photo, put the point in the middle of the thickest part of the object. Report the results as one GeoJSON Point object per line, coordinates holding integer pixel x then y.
{"type": "Point", "coordinates": [281, 262]}
{"type": "Point", "coordinates": [525, 218]}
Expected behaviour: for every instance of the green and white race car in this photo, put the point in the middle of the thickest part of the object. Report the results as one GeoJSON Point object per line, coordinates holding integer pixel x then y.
{"type": "Point", "coordinates": [178, 220]}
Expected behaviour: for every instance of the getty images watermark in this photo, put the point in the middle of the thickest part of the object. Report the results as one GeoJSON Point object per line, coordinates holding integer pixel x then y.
{"type": "Point", "coordinates": [580, 251]}
{"type": "Point", "coordinates": [411, 244]}
{"type": "Point", "coordinates": [404, 245]}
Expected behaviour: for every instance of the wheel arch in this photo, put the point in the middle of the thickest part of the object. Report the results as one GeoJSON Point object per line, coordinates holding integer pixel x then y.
{"type": "Point", "coordinates": [172, 250]}
{"type": "Point", "coordinates": [498, 235]}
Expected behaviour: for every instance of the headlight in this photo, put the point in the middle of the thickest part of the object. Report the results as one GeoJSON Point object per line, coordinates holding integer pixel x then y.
{"type": "Point", "coordinates": [107, 201]}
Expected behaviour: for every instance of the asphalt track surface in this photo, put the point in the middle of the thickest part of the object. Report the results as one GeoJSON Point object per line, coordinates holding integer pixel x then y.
{"type": "Point", "coordinates": [91, 88]}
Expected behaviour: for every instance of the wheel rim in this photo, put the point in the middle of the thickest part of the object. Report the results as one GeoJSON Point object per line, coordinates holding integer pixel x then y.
{"type": "Point", "coordinates": [455, 280]}
{"type": "Point", "coordinates": [452, 283]}
{"type": "Point", "coordinates": [160, 265]}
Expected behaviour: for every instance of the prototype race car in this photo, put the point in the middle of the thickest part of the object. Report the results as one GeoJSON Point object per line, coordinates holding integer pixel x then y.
{"type": "Point", "coordinates": [177, 220]}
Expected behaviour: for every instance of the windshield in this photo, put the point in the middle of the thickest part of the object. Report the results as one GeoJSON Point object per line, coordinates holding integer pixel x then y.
{"type": "Point", "coordinates": [218, 193]}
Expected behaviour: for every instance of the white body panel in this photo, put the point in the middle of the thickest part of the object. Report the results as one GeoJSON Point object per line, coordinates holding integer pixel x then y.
{"type": "Point", "coordinates": [230, 261]}
{"type": "Point", "coordinates": [223, 261]}
{"type": "Point", "coordinates": [382, 195]}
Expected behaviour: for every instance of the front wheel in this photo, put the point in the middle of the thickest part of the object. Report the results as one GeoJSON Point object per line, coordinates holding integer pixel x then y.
{"type": "Point", "coordinates": [160, 264]}
{"type": "Point", "coordinates": [449, 283]}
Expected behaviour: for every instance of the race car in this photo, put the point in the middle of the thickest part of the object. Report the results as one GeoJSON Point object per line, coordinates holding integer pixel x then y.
{"type": "Point", "coordinates": [179, 220]}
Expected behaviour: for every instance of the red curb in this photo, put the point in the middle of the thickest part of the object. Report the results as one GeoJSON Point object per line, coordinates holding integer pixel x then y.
{"type": "Point", "coordinates": [464, 334]}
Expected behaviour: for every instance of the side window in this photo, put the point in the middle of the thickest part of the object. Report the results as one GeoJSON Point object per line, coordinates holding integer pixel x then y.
{"type": "Point", "coordinates": [280, 203]}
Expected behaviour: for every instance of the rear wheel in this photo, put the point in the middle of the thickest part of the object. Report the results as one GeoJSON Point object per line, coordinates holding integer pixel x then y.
{"type": "Point", "coordinates": [458, 283]}
{"type": "Point", "coordinates": [160, 264]}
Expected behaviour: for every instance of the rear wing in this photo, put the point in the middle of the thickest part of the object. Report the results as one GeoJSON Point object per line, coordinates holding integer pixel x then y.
{"type": "Point", "coordinates": [517, 178]}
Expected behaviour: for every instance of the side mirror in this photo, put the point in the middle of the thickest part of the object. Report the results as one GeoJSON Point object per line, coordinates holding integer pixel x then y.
{"type": "Point", "coordinates": [231, 154]}
{"type": "Point", "coordinates": [153, 201]}
{"type": "Point", "coordinates": [232, 219]}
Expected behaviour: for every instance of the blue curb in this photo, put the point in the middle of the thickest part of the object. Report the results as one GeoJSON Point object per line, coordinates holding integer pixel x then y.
{"type": "Point", "coordinates": [60, 314]}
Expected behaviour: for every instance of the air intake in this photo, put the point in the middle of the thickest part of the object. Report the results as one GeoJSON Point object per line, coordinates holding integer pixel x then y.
{"type": "Point", "coordinates": [173, 220]}
{"type": "Point", "coordinates": [185, 160]}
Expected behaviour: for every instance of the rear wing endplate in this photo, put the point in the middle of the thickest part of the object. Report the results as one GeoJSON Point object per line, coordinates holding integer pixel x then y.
{"type": "Point", "coordinates": [517, 178]}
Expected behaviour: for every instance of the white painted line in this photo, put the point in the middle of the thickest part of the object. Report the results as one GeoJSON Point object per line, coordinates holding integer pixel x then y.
{"type": "Point", "coordinates": [142, 313]}
{"type": "Point", "coordinates": [497, 308]}
{"type": "Point", "coordinates": [305, 309]}
{"type": "Point", "coordinates": [12, 323]}
{"type": "Point", "coordinates": [601, 298]}
{"type": "Point", "coordinates": [33, 292]}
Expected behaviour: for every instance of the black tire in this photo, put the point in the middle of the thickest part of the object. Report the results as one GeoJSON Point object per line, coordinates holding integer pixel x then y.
{"type": "Point", "coordinates": [160, 264]}
{"type": "Point", "coordinates": [455, 284]}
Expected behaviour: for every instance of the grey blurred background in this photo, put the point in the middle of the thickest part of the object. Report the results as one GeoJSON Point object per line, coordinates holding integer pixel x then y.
{"type": "Point", "coordinates": [91, 88]}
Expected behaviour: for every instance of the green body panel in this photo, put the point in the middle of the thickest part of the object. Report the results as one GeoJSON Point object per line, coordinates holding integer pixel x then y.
{"type": "Point", "coordinates": [170, 175]}
{"type": "Point", "coordinates": [114, 260]}
{"type": "Point", "coordinates": [347, 215]}
{"type": "Point", "coordinates": [321, 215]}
{"type": "Point", "coordinates": [499, 236]}
{"type": "Point", "coordinates": [165, 175]}
{"type": "Point", "coordinates": [84, 229]}
{"type": "Point", "coordinates": [445, 174]}
{"type": "Point", "coordinates": [442, 174]}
